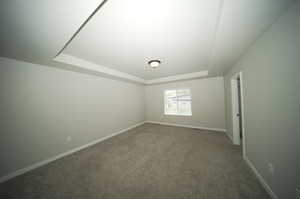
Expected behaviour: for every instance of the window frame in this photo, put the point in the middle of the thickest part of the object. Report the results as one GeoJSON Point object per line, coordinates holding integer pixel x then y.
{"type": "Point", "coordinates": [165, 100]}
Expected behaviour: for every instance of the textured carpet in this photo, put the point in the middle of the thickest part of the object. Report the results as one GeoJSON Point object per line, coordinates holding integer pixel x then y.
{"type": "Point", "coordinates": [150, 161]}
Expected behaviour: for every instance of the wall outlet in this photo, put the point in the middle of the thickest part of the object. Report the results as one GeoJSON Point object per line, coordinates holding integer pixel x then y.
{"type": "Point", "coordinates": [298, 193]}
{"type": "Point", "coordinates": [271, 168]}
{"type": "Point", "coordinates": [69, 139]}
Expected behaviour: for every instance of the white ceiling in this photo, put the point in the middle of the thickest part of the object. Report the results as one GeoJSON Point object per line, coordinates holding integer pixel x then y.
{"type": "Point", "coordinates": [189, 37]}
{"type": "Point", "coordinates": [35, 30]}
{"type": "Point", "coordinates": [125, 35]}
{"type": "Point", "coordinates": [241, 24]}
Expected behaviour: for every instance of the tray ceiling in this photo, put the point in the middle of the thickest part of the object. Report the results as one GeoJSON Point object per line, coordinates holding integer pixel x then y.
{"type": "Point", "coordinates": [125, 35]}
{"type": "Point", "coordinates": [192, 39]}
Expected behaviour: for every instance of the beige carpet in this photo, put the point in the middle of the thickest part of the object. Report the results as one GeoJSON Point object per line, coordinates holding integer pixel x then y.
{"type": "Point", "coordinates": [150, 161]}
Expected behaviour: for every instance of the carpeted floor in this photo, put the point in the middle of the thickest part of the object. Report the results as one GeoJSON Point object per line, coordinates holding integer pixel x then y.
{"type": "Point", "coordinates": [150, 161]}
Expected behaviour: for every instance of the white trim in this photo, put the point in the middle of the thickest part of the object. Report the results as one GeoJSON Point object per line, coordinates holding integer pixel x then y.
{"type": "Point", "coordinates": [47, 161]}
{"type": "Point", "coordinates": [175, 114]}
{"type": "Point", "coordinates": [235, 135]}
{"type": "Point", "coordinates": [261, 179]}
{"type": "Point", "coordinates": [65, 58]}
{"type": "Point", "coordinates": [79, 62]}
{"type": "Point", "coordinates": [186, 126]}
{"type": "Point", "coordinates": [230, 137]}
{"type": "Point", "coordinates": [243, 113]}
{"type": "Point", "coordinates": [178, 77]}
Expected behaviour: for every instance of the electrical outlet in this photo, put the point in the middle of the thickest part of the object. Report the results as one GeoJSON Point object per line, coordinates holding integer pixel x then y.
{"type": "Point", "coordinates": [69, 139]}
{"type": "Point", "coordinates": [271, 168]}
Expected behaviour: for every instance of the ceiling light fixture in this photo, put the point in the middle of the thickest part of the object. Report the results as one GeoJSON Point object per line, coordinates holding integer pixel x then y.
{"type": "Point", "coordinates": [154, 63]}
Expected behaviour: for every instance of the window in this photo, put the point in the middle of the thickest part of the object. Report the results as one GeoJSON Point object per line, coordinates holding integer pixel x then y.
{"type": "Point", "coordinates": [178, 102]}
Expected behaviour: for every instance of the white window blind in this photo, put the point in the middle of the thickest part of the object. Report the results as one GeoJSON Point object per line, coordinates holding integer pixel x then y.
{"type": "Point", "coordinates": [178, 102]}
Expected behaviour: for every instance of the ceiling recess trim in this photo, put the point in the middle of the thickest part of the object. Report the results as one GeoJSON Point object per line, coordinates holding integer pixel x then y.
{"type": "Point", "coordinates": [178, 77]}
{"type": "Point", "coordinates": [68, 59]}
{"type": "Point", "coordinates": [82, 25]}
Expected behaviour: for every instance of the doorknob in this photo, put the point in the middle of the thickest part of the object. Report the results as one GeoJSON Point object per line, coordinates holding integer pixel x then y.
{"type": "Point", "coordinates": [238, 115]}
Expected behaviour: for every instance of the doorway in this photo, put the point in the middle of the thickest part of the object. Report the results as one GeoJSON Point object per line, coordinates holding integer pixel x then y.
{"type": "Point", "coordinates": [238, 118]}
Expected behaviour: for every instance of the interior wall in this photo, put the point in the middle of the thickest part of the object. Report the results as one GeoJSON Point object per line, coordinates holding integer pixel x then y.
{"type": "Point", "coordinates": [41, 106]}
{"type": "Point", "coordinates": [271, 82]}
{"type": "Point", "coordinates": [207, 103]}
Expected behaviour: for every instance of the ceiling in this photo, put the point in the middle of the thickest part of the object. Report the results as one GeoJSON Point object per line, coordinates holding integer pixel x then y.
{"type": "Point", "coordinates": [192, 39]}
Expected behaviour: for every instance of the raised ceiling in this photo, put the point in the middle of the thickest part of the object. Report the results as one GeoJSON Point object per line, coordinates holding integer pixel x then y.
{"type": "Point", "coordinates": [125, 35]}
{"type": "Point", "coordinates": [191, 38]}
{"type": "Point", "coordinates": [35, 30]}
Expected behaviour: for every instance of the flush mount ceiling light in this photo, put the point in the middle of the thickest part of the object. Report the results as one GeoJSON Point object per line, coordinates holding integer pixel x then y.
{"type": "Point", "coordinates": [154, 63]}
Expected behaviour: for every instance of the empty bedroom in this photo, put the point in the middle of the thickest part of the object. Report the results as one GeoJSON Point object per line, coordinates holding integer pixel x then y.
{"type": "Point", "coordinates": [140, 99]}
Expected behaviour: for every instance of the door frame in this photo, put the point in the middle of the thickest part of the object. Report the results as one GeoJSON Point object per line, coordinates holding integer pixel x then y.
{"type": "Point", "coordinates": [235, 110]}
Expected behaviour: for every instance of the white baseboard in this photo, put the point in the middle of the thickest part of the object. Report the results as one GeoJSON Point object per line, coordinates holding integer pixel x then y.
{"type": "Point", "coordinates": [187, 126]}
{"type": "Point", "coordinates": [230, 137]}
{"type": "Point", "coordinates": [261, 179]}
{"type": "Point", "coordinates": [47, 161]}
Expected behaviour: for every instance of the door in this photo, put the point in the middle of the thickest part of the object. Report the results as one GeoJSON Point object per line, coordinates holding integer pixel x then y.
{"type": "Point", "coordinates": [240, 108]}
{"type": "Point", "coordinates": [235, 111]}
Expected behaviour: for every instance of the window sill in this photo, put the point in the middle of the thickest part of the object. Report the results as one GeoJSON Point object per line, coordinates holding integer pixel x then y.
{"type": "Point", "coordinates": [178, 114]}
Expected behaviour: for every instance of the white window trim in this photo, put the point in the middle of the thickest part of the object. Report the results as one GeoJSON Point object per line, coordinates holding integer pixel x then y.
{"type": "Point", "coordinates": [172, 114]}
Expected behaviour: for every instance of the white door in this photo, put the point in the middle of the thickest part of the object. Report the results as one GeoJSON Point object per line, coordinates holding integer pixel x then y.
{"type": "Point", "coordinates": [235, 111]}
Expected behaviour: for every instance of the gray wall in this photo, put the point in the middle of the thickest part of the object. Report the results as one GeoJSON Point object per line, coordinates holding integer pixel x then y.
{"type": "Point", "coordinates": [207, 103]}
{"type": "Point", "coordinates": [41, 106]}
{"type": "Point", "coordinates": [271, 70]}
